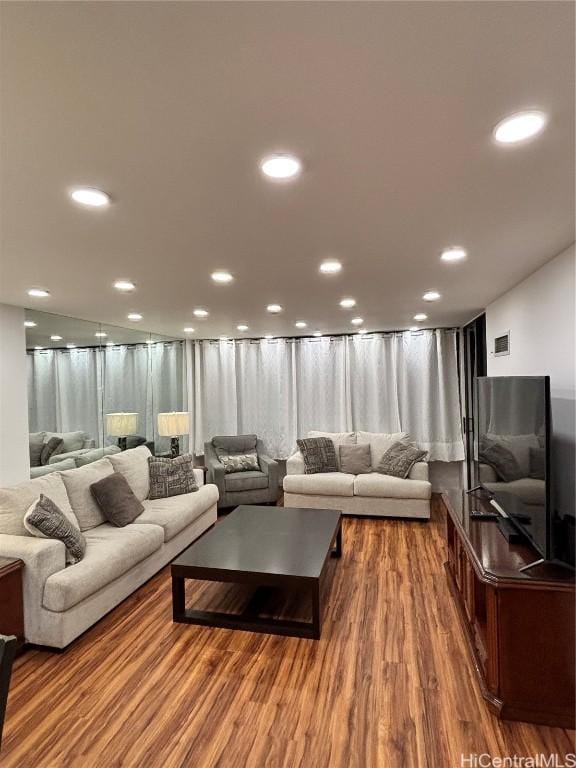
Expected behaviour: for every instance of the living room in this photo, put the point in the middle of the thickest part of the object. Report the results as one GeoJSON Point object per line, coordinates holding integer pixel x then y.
{"type": "Point", "coordinates": [287, 391]}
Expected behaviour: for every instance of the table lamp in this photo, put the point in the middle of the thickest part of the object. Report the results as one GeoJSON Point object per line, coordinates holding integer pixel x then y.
{"type": "Point", "coordinates": [172, 425]}
{"type": "Point", "coordinates": [120, 425]}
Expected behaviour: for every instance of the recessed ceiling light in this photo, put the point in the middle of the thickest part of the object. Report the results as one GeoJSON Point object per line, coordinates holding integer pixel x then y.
{"type": "Point", "coordinates": [200, 312]}
{"type": "Point", "coordinates": [268, 336]}
{"type": "Point", "coordinates": [330, 267]}
{"type": "Point", "coordinates": [29, 324]}
{"type": "Point", "coordinates": [431, 296]}
{"type": "Point", "coordinates": [357, 320]}
{"type": "Point", "coordinates": [520, 127]}
{"type": "Point", "coordinates": [101, 334]}
{"type": "Point", "coordinates": [317, 333]}
{"type": "Point", "coordinates": [420, 317]}
{"type": "Point", "coordinates": [188, 329]}
{"type": "Point", "coordinates": [38, 293]}
{"type": "Point", "coordinates": [70, 346]}
{"type": "Point", "coordinates": [134, 316]}
{"type": "Point", "coordinates": [274, 309]}
{"type": "Point", "coordinates": [300, 324]}
{"type": "Point", "coordinates": [222, 276]}
{"type": "Point", "coordinates": [55, 337]}
{"type": "Point", "coordinates": [453, 254]}
{"type": "Point", "coordinates": [89, 196]}
{"type": "Point", "coordinates": [348, 303]}
{"type": "Point", "coordinates": [280, 166]}
{"type": "Point", "coordinates": [38, 347]}
{"type": "Point", "coordinates": [242, 328]}
{"type": "Point", "coordinates": [126, 286]}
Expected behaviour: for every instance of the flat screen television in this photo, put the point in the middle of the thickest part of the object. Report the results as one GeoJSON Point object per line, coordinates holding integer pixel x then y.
{"type": "Point", "coordinates": [513, 453]}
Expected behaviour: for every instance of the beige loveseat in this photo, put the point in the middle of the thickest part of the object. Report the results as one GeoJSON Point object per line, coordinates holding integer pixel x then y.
{"type": "Point", "coordinates": [367, 494]}
{"type": "Point", "coordinates": [61, 602]}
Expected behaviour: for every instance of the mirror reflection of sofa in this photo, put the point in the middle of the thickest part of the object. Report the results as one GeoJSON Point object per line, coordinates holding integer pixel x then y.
{"type": "Point", "coordinates": [76, 449]}
{"type": "Point", "coordinates": [523, 475]}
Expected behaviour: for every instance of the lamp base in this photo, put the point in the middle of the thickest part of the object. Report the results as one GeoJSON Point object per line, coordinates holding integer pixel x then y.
{"type": "Point", "coordinates": [174, 447]}
{"type": "Point", "coordinates": [122, 442]}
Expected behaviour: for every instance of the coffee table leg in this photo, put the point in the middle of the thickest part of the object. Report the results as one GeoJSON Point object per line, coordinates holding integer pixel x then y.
{"type": "Point", "coordinates": [337, 551]}
{"type": "Point", "coordinates": [178, 601]}
{"type": "Point", "coordinates": [316, 609]}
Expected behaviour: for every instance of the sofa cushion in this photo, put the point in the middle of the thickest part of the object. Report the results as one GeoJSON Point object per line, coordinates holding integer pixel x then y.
{"type": "Point", "coordinates": [246, 481]}
{"type": "Point", "coordinates": [177, 512]}
{"type": "Point", "coordinates": [133, 464]}
{"type": "Point", "coordinates": [116, 499]}
{"type": "Point", "coordinates": [71, 441]}
{"type": "Point", "coordinates": [380, 442]}
{"type": "Point", "coordinates": [530, 490]}
{"type": "Point", "coordinates": [388, 487]}
{"type": "Point", "coordinates": [355, 459]}
{"type": "Point", "coordinates": [338, 438]}
{"type": "Point", "coordinates": [56, 466]}
{"type": "Point", "coordinates": [46, 520]}
{"type": "Point", "coordinates": [15, 502]}
{"type": "Point", "coordinates": [89, 455]}
{"type": "Point", "coordinates": [36, 445]}
{"type": "Point", "coordinates": [110, 552]}
{"type": "Point", "coordinates": [235, 443]}
{"type": "Point", "coordinates": [323, 484]}
{"type": "Point", "coordinates": [78, 482]}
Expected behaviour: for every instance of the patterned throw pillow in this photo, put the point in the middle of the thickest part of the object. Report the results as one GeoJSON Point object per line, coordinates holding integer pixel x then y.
{"type": "Point", "coordinates": [500, 458]}
{"type": "Point", "coordinates": [171, 477]}
{"type": "Point", "coordinates": [50, 448]}
{"type": "Point", "coordinates": [46, 520]}
{"type": "Point", "coordinates": [319, 455]}
{"type": "Point", "coordinates": [238, 462]}
{"type": "Point", "coordinates": [399, 460]}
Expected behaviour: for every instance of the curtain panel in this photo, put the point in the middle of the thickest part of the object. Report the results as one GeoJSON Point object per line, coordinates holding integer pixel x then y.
{"type": "Point", "coordinates": [282, 388]}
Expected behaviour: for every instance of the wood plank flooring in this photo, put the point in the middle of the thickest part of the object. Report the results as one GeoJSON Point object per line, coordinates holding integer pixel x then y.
{"type": "Point", "coordinates": [389, 685]}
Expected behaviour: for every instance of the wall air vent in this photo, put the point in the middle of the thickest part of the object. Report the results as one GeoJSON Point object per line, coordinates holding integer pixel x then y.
{"type": "Point", "coordinates": [502, 344]}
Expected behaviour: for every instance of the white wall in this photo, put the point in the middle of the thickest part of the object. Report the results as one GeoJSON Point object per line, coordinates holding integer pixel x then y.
{"type": "Point", "coordinates": [14, 448]}
{"type": "Point", "coordinates": [541, 317]}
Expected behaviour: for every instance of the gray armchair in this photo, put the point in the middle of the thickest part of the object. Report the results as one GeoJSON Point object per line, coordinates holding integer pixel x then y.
{"type": "Point", "coordinates": [235, 488]}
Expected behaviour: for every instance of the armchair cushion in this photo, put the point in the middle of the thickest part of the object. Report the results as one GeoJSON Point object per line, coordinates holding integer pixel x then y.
{"type": "Point", "coordinates": [235, 443]}
{"type": "Point", "coordinates": [246, 481]}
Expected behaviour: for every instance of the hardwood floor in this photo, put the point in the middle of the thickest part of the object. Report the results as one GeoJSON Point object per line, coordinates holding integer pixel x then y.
{"type": "Point", "coordinates": [389, 684]}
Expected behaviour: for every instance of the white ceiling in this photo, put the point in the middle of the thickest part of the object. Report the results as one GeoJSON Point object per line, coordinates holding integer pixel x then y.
{"type": "Point", "coordinates": [170, 106]}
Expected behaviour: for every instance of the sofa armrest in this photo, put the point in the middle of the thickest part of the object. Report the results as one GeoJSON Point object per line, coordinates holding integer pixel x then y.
{"type": "Point", "coordinates": [70, 455]}
{"type": "Point", "coordinates": [295, 464]}
{"type": "Point", "coordinates": [42, 558]}
{"type": "Point", "coordinates": [215, 473]}
{"type": "Point", "coordinates": [272, 469]}
{"type": "Point", "coordinates": [419, 471]}
{"type": "Point", "coordinates": [199, 475]}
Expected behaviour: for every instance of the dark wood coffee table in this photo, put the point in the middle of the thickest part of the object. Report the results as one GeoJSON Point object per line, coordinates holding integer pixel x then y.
{"type": "Point", "coordinates": [266, 547]}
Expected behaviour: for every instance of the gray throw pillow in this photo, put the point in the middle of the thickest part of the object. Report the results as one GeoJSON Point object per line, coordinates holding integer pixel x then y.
{"type": "Point", "coordinates": [319, 455]}
{"type": "Point", "coordinates": [36, 445]}
{"type": "Point", "coordinates": [46, 520]}
{"type": "Point", "coordinates": [399, 459]}
{"type": "Point", "coordinates": [355, 459]}
{"type": "Point", "coordinates": [502, 460]}
{"type": "Point", "coordinates": [51, 447]}
{"type": "Point", "coordinates": [238, 462]}
{"type": "Point", "coordinates": [171, 477]}
{"type": "Point", "coordinates": [118, 502]}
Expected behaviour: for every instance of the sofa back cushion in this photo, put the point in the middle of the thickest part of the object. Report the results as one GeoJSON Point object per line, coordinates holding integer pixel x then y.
{"type": "Point", "coordinates": [338, 438]}
{"type": "Point", "coordinates": [93, 454]}
{"type": "Point", "coordinates": [71, 441]}
{"type": "Point", "coordinates": [36, 445]}
{"type": "Point", "coordinates": [15, 502]}
{"type": "Point", "coordinates": [380, 442]}
{"type": "Point", "coordinates": [235, 443]}
{"type": "Point", "coordinates": [78, 482]}
{"type": "Point", "coordinates": [133, 464]}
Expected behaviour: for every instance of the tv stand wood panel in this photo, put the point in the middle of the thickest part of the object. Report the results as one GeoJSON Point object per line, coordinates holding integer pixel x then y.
{"type": "Point", "coordinates": [519, 624]}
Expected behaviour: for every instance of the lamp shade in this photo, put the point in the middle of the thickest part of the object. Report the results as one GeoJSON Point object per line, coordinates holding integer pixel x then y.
{"type": "Point", "coordinates": [121, 424]}
{"type": "Point", "coordinates": [173, 424]}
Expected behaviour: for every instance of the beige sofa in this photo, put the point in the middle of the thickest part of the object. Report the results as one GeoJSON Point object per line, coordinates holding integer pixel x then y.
{"type": "Point", "coordinates": [61, 602]}
{"type": "Point", "coordinates": [371, 494]}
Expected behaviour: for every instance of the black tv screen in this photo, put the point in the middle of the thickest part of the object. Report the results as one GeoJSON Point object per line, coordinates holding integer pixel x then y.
{"type": "Point", "coordinates": [513, 437]}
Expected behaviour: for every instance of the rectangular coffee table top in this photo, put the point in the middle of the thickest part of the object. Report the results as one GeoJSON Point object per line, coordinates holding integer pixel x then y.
{"type": "Point", "coordinates": [266, 540]}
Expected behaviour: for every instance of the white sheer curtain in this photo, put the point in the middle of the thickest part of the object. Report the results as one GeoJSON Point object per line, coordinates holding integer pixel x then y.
{"type": "Point", "coordinates": [280, 389]}
{"type": "Point", "coordinates": [64, 391]}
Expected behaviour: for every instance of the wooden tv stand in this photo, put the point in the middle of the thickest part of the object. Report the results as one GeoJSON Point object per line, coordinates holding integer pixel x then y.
{"type": "Point", "coordinates": [519, 624]}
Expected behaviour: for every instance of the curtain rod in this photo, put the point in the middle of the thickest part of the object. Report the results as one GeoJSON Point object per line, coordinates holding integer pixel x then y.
{"type": "Point", "coordinates": [253, 339]}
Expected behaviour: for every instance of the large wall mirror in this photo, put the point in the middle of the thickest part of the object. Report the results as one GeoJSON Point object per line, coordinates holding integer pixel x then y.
{"type": "Point", "coordinates": [99, 389]}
